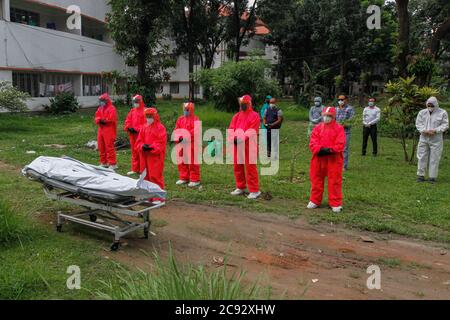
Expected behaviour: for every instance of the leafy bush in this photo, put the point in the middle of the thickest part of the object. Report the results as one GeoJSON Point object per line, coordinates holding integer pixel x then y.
{"type": "Point", "coordinates": [170, 281]}
{"type": "Point", "coordinates": [63, 103]}
{"type": "Point", "coordinates": [11, 225]}
{"type": "Point", "coordinates": [11, 98]}
{"type": "Point", "coordinates": [234, 79]}
{"type": "Point", "coordinates": [407, 99]}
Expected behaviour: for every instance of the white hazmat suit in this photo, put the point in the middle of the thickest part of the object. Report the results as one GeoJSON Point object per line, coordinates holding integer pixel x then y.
{"type": "Point", "coordinates": [429, 150]}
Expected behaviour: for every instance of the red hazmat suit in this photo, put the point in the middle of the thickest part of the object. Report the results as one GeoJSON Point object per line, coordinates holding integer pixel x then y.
{"type": "Point", "coordinates": [154, 136]}
{"type": "Point", "coordinates": [188, 169]}
{"type": "Point", "coordinates": [135, 121]}
{"type": "Point", "coordinates": [331, 135]}
{"type": "Point", "coordinates": [106, 120]}
{"type": "Point", "coordinates": [246, 174]}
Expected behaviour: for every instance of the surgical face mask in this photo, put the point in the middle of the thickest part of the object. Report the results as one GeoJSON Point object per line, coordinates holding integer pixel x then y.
{"type": "Point", "coordinates": [186, 113]}
{"type": "Point", "coordinates": [341, 102]}
{"type": "Point", "coordinates": [102, 103]}
{"type": "Point", "coordinates": [272, 105]}
{"type": "Point", "coordinates": [430, 108]}
{"type": "Point", "coordinates": [327, 119]}
{"type": "Point", "coordinates": [150, 120]}
{"type": "Point", "coordinates": [136, 104]}
{"type": "Point", "coordinates": [317, 103]}
{"type": "Point", "coordinates": [371, 104]}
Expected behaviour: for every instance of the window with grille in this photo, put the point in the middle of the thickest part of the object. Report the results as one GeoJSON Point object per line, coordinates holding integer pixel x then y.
{"type": "Point", "coordinates": [94, 85]}
{"type": "Point", "coordinates": [24, 16]}
{"type": "Point", "coordinates": [174, 88]}
{"type": "Point", "coordinates": [43, 84]}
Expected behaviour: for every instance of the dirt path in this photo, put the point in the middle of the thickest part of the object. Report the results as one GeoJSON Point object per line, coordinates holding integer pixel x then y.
{"type": "Point", "coordinates": [288, 255]}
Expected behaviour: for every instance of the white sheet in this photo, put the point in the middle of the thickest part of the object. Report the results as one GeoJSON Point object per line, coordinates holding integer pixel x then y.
{"type": "Point", "coordinates": [91, 177]}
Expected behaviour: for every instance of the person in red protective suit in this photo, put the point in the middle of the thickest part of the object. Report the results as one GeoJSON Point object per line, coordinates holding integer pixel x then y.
{"type": "Point", "coordinates": [133, 125]}
{"type": "Point", "coordinates": [151, 142]}
{"type": "Point", "coordinates": [246, 174]}
{"type": "Point", "coordinates": [188, 168]}
{"type": "Point", "coordinates": [106, 120]}
{"type": "Point", "coordinates": [327, 146]}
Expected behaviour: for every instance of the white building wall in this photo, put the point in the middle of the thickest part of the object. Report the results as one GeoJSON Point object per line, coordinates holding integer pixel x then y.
{"type": "Point", "coordinates": [93, 8]}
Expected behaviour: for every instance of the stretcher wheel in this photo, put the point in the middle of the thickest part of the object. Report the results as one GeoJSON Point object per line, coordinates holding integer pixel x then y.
{"type": "Point", "coordinates": [115, 246]}
{"type": "Point", "coordinates": [93, 217]}
{"type": "Point", "coordinates": [59, 228]}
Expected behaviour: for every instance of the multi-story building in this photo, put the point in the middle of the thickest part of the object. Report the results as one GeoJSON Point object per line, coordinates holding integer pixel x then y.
{"type": "Point", "coordinates": [42, 54]}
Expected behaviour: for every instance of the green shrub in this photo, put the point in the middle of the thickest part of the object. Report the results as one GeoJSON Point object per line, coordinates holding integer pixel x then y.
{"type": "Point", "coordinates": [234, 79]}
{"type": "Point", "coordinates": [63, 103]}
{"type": "Point", "coordinates": [170, 281]}
{"type": "Point", "coordinates": [12, 226]}
{"type": "Point", "coordinates": [11, 98]}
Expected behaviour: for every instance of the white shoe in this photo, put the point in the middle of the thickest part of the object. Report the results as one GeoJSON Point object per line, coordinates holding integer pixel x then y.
{"type": "Point", "coordinates": [336, 209]}
{"type": "Point", "coordinates": [104, 165]}
{"type": "Point", "coordinates": [312, 205]}
{"type": "Point", "coordinates": [114, 167]}
{"type": "Point", "coordinates": [238, 192]}
{"type": "Point", "coordinates": [181, 182]}
{"type": "Point", "coordinates": [131, 173]}
{"type": "Point", "coordinates": [254, 195]}
{"type": "Point", "coordinates": [193, 184]}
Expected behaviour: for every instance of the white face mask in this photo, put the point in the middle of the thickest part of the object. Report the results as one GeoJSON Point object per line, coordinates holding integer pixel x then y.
{"type": "Point", "coordinates": [136, 104]}
{"type": "Point", "coordinates": [371, 104]}
{"type": "Point", "coordinates": [327, 119]}
{"type": "Point", "coordinates": [272, 105]}
{"type": "Point", "coordinates": [341, 103]}
{"type": "Point", "coordinates": [318, 104]}
{"type": "Point", "coordinates": [150, 120]}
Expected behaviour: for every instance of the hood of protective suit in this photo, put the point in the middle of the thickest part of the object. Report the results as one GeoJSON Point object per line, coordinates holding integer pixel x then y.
{"type": "Point", "coordinates": [434, 101]}
{"type": "Point", "coordinates": [140, 100]}
{"type": "Point", "coordinates": [329, 111]}
{"type": "Point", "coordinates": [191, 107]}
{"type": "Point", "coordinates": [153, 113]}
{"type": "Point", "coordinates": [106, 97]}
{"type": "Point", "coordinates": [247, 100]}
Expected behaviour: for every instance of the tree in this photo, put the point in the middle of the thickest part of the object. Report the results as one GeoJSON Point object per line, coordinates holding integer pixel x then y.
{"type": "Point", "coordinates": [137, 28]}
{"type": "Point", "coordinates": [403, 37]}
{"type": "Point", "coordinates": [242, 18]}
{"type": "Point", "coordinates": [234, 79]}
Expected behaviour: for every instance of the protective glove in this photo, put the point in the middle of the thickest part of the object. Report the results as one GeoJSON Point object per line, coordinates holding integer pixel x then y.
{"type": "Point", "coordinates": [325, 152]}
{"type": "Point", "coordinates": [132, 130]}
{"type": "Point", "coordinates": [180, 140]}
{"type": "Point", "coordinates": [102, 121]}
{"type": "Point", "coordinates": [146, 147]}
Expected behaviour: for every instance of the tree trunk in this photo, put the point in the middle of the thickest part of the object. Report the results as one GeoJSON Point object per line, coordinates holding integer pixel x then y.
{"type": "Point", "coordinates": [403, 37]}
{"type": "Point", "coordinates": [141, 65]}
{"type": "Point", "coordinates": [441, 33]}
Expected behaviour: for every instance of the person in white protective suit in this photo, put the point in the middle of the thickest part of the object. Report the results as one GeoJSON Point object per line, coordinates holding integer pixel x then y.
{"type": "Point", "coordinates": [431, 122]}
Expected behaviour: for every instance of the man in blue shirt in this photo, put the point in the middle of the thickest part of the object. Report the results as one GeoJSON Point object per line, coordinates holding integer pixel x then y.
{"type": "Point", "coordinates": [344, 116]}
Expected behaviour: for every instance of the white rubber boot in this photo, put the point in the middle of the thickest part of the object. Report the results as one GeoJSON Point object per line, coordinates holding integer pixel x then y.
{"type": "Point", "coordinates": [254, 195]}
{"type": "Point", "coordinates": [238, 192]}
{"type": "Point", "coordinates": [194, 184]}
{"type": "Point", "coordinates": [337, 209]}
{"type": "Point", "coordinates": [181, 182]}
{"type": "Point", "coordinates": [312, 205]}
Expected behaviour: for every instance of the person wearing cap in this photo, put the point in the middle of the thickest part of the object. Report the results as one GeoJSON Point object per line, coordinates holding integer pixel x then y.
{"type": "Point", "coordinates": [106, 120]}
{"type": "Point", "coordinates": [188, 168]}
{"type": "Point", "coordinates": [315, 114]}
{"type": "Point", "coordinates": [133, 125]}
{"type": "Point", "coordinates": [344, 116]}
{"type": "Point", "coordinates": [431, 122]}
{"type": "Point", "coordinates": [273, 119]}
{"type": "Point", "coordinates": [371, 118]}
{"type": "Point", "coordinates": [327, 145]}
{"type": "Point", "coordinates": [246, 173]}
{"type": "Point", "coordinates": [151, 142]}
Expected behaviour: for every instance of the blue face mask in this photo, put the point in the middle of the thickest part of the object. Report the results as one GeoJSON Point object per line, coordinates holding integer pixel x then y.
{"type": "Point", "coordinates": [186, 113]}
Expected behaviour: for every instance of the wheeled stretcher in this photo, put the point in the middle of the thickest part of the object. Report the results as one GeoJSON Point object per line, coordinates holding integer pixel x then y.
{"type": "Point", "coordinates": [106, 196]}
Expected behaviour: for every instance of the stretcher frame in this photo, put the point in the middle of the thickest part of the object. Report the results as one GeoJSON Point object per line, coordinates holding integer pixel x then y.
{"type": "Point", "coordinates": [109, 211]}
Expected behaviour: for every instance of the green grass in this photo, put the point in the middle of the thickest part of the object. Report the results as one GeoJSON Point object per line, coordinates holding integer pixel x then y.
{"type": "Point", "coordinates": [380, 194]}
{"type": "Point", "coordinates": [171, 281]}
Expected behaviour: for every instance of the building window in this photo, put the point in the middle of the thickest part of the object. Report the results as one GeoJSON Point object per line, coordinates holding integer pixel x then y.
{"type": "Point", "coordinates": [174, 88]}
{"type": "Point", "coordinates": [24, 17]}
{"type": "Point", "coordinates": [43, 84]}
{"type": "Point", "coordinates": [94, 85]}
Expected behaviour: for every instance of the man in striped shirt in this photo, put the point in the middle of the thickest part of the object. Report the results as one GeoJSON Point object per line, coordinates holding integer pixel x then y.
{"type": "Point", "coordinates": [344, 116]}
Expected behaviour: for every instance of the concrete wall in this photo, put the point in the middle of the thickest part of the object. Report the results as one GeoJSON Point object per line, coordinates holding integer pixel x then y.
{"type": "Point", "coordinates": [93, 8]}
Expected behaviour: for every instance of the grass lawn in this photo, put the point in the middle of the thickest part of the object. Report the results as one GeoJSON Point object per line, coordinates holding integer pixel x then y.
{"type": "Point", "coordinates": [380, 193]}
